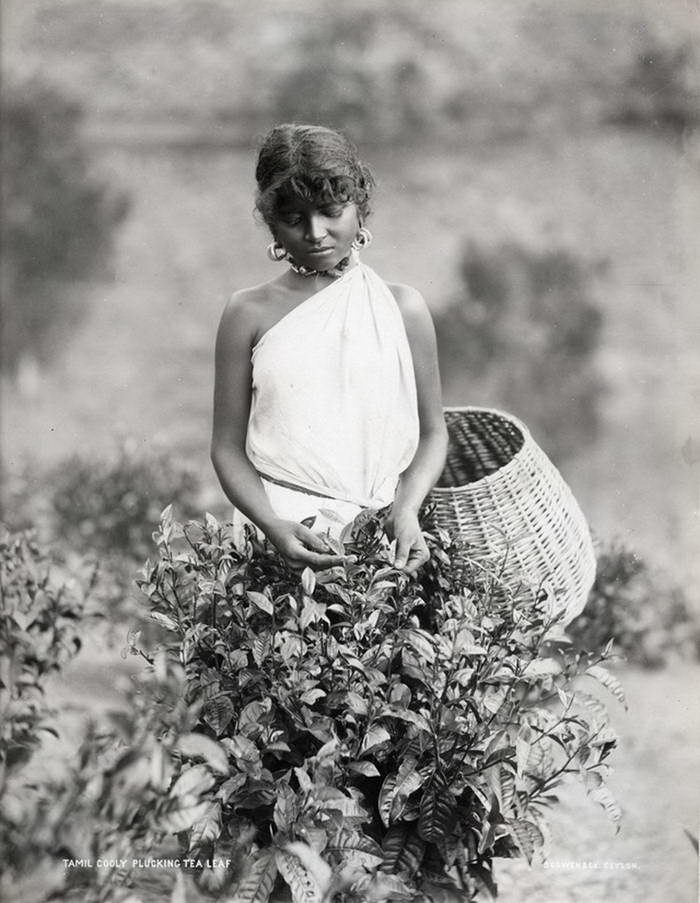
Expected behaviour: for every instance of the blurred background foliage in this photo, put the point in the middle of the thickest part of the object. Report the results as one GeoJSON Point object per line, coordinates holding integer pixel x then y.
{"type": "Point", "coordinates": [380, 69]}
{"type": "Point", "coordinates": [526, 327]}
{"type": "Point", "coordinates": [57, 219]}
{"type": "Point", "coordinates": [532, 162]}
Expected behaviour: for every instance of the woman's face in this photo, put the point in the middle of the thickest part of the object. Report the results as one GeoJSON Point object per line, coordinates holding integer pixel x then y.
{"type": "Point", "coordinates": [317, 235]}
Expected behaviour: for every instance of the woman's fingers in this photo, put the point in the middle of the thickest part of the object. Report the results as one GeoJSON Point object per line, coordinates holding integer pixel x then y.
{"type": "Point", "coordinates": [411, 553]}
{"type": "Point", "coordinates": [418, 557]}
{"type": "Point", "coordinates": [404, 545]}
{"type": "Point", "coordinates": [302, 558]}
{"type": "Point", "coordinates": [319, 562]}
{"type": "Point", "coordinates": [311, 540]}
{"type": "Point", "coordinates": [312, 551]}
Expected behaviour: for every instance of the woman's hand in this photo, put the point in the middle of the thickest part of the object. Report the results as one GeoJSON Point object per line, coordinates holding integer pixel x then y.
{"type": "Point", "coordinates": [300, 546]}
{"type": "Point", "coordinates": [411, 548]}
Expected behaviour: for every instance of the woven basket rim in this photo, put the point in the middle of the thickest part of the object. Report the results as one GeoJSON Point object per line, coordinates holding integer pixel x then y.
{"type": "Point", "coordinates": [497, 474]}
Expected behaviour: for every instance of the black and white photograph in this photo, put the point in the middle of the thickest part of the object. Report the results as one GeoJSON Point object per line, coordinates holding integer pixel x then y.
{"type": "Point", "coordinates": [349, 451]}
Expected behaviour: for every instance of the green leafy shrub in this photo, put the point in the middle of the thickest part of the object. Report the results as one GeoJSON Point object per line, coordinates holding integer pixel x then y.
{"type": "Point", "coordinates": [359, 736]}
{"type": "Point", "coordinates": [97, 805]}
{"type": "Point", "coordinates": [106, 509]}
{"type": "Point", "coordinates": [523, 337]}
{"type": "Point", "coordinates": [58, 219]}
{"type": "Point", "coordinates": [38, 630]}
{"type": "Point", "coordinates": [646, 617]}
{"type": "Point", "coordinates": [349, 736]}
{"type": "Point", "coordinates": [111, 505]}
{"type": "Point", "coordinates": [40, 615]}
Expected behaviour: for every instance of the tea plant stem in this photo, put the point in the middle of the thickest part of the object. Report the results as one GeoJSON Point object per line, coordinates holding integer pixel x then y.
{"type": "Point", "coordinates": [180, 608]}
{"type": "Point", "coordinates": [550, 781]}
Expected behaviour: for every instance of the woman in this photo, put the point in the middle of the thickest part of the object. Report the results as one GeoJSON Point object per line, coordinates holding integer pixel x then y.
{"type": "Point", "coordinates": [327, 393]}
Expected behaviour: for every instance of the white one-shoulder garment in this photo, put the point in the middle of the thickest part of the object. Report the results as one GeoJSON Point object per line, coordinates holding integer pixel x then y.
{"type": "Point", "coordinates": [334, 410]}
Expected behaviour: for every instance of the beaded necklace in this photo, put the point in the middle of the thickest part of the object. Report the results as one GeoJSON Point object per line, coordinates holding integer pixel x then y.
{"type": "Point", "coordinates": [338, 270]}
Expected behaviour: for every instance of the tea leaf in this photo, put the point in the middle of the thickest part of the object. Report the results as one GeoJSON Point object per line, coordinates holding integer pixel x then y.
{"type": "Point", "coordinates": [183, 817]}
{"type": "Point", "coordinates": [355, 848]}
{"type": "Point", "coordinates": [311, 613]}
{"type": "Point", "coordinates": [609, 681]}
{"type": "Point", "coordinates": [543, 667]}
{"type": "Point", "coordinates": [308, 581]}
{"type": "Point", "coordinates": [357, 703]}
{"type": "Point", "coordinates": [605, 798]}
{"type": "Point", "coordinates": [396, 789]}
{"type": "Point", "coordinates": [375, 736]}
{"type": "Point", "coordinates": [592, 703]}
{"type": "Point", "coordinates": [349, 807]}
{"type": "Point", "coordinates": [305, 872]}
{"type": "Point", "coordinates": [527, 836]}
{"type": "Point", "coordinates": [423, 643]}
{"type": "Point", "coordinates": [312, 696]}
{"type": "Point", "coordinates": [230, 786]}
{"type": "Point", "coordinates": [208, 828]}
{"type": "Point", "coordinates": [164, 621]}
{"type": "Point", "coordinates": [286, 808]}
{"type": "Point", "coordinates": [195, 780]}
{"type": "Point", "coordinates": [241, 748]}
{"type": "Point", "coordinates": [218, 714]}
{"type": "Point", "coordinates": [403, 850]}
{"type": "Point", "coordinates": [254, 713]}
{"type": "Point", "coordinates": [212, 523]}
{"type": "Point", "coordinates": [258, 880]}
{"type": "Point", "coordinates": [522, 753]}
{"type": "Point", "coordinates": [313, 863]}
{"type": "Point", "coordinates": [261, 648]}
{"type": "Point", "coordinates": [416, 718]}
{"type": "Point", "coordinates": [260, 600]}
{"type": "Point", "coordinates": [368, 769]}
{"type": "Point", "coordinates": [494, 697]}
{"type": "Point", "coordinates": [199, 746]}
{"type": "Point", "coordinates": [437, 812]}
{"type": "Point", "coordinates": [161, 768]}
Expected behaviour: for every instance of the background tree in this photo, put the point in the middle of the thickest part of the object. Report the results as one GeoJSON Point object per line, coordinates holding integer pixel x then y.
{"type": "Point", "coordinates": [523, 335]}
{"type": "Point", "coordinates": [58, 220]}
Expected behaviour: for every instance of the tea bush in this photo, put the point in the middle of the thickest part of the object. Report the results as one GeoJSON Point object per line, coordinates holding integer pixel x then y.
{"type": "Point", "coordinates": [40, 626]}
{"type": "Point", "coordinates": [348, 735]}
{"type": "Point", "coordinates": [103, 509]}
{"type": "Point", "coordinates": [357, 735]}
{"type": "Point", "coordinates": [106, 508]}
{"type": "Point", "coordinates": [648, 618]}
{"type": "Point", "coordinates": [112, 504]}
{"type": "Point", "coordinates": [89, 808]}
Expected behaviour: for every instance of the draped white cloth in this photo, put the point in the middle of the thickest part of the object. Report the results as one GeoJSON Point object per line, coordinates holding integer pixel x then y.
{"type": "Point", "coordinates": [334, 408]}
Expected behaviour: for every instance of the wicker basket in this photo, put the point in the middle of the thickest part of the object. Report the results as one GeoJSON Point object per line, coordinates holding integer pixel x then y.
{"type": "Point", "coordinates": [503, 496]}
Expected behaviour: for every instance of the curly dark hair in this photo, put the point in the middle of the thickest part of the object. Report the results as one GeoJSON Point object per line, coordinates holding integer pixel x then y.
{"type": "Point", "coordinates": [310, 163]}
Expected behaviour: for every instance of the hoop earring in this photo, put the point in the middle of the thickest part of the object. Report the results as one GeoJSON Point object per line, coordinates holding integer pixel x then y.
{"type": "Point", "coordinates": [362, 240]}
{"type": "Point", "coordinates": [276, 252]}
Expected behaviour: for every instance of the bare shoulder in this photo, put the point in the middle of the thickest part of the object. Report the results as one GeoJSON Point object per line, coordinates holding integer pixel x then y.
{"type": "Point", "coordinates": [245, 310]}
{"type": "Point", "coordinates": [413, 307]}
{"type": "Point", "coordinates": [245, 302]}
{"type": "Point", "coordinates": [409, 299]}
{"type": "Point", "coordinates": [420, 332]}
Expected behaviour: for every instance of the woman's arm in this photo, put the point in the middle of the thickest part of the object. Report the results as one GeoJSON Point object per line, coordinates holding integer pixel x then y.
{"type": "Point", "coordinates": [238, 477]}
{"type": "Point", "coordinates": [427, 464]}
